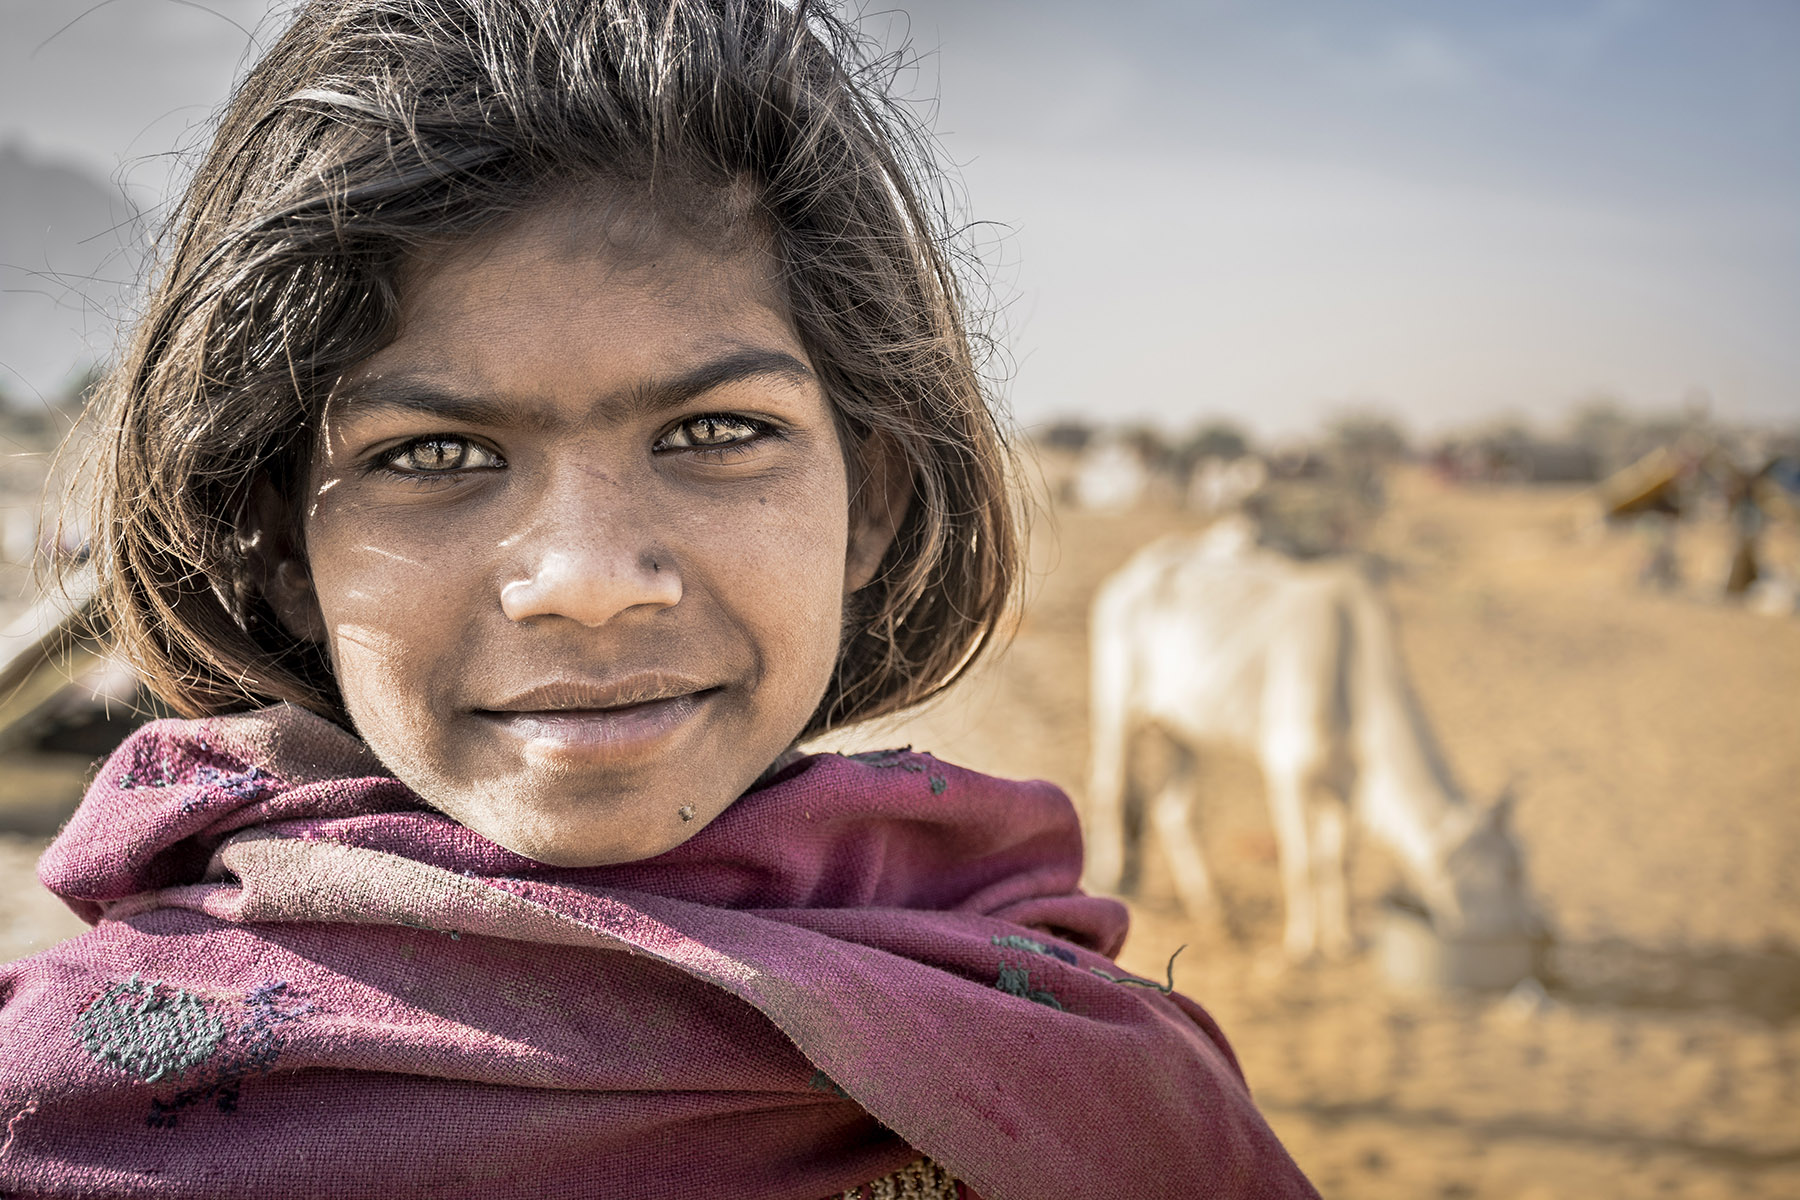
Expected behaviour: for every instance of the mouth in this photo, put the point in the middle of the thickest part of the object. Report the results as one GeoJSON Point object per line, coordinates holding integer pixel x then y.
{"type": "Point", "coordinates": [610, 720]}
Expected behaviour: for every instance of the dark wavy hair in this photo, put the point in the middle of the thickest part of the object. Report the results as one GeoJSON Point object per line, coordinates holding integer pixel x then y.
{"type": "Point", "coordinates": [375, 129]}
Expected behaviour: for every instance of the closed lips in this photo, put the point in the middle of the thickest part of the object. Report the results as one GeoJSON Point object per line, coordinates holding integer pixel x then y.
{"type": "Point", "coordinates": [574, 697]}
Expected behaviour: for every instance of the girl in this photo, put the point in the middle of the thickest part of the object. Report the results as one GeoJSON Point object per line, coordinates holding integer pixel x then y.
{"type": "Point", "coordinates": [550, 414]}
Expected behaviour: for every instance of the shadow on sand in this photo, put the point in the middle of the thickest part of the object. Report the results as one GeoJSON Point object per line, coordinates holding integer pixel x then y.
{"type": "Point", "coordinates": [1760, 983]}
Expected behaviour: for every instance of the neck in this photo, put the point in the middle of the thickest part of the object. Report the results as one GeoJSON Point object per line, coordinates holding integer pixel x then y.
{"type": "Point", "coordinates": [1405, 793]}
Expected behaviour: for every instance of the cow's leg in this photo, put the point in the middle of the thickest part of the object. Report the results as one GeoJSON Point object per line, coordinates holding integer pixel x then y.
{"type": "Point", "coordinates": [1301, 724]}
{"type": "Point", "coordinates": [1173, 813]}
{"type": "Point", "coordinates": [1287, 812]}
{"type": "Point", "coordinates": [1329, 847]}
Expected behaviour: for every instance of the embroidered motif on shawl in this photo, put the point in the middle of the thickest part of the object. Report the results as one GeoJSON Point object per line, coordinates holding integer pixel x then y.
{"type": "Point", "coordinates": [922, 1180]}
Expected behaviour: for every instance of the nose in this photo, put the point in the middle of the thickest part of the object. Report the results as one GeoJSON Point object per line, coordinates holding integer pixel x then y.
{"type": "Point", "coordinates": [591, 570]}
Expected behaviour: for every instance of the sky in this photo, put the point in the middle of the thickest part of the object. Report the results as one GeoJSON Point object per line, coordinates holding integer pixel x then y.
{"type": "Point", "coordinates": [1268, 211]}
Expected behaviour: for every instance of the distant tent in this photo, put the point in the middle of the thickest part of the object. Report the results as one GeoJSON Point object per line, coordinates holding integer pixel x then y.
{"type": "Point", "coordinates": [1651, 484]}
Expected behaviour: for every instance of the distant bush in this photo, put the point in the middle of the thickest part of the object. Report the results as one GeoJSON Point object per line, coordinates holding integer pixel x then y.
{"type": "Point", "coordinates": [1368, 437]}
{"type": "Point", "coordinates": [1072, 436]}
{"type": "Point", "coordinates": [1216, 439]}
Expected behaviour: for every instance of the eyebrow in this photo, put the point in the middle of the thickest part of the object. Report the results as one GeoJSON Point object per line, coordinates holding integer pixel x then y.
{"type": "Point", "coordinates": [422, 393]}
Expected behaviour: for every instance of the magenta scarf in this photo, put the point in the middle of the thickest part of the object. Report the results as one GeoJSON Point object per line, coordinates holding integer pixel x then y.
{"type": "Point", "coordinates": [301, 981]}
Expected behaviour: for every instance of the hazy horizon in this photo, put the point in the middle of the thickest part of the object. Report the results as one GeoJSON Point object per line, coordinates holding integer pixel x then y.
{"type": "Point", "coordinates": [1270, 213]}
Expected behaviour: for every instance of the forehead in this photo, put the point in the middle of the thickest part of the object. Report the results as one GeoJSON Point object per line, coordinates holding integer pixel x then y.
{"type": "Point", "coordinates": [573, 303]}
{"type": "Point", "coordinates": [562, 260]}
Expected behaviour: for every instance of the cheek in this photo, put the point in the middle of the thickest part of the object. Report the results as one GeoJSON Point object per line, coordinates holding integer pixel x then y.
{"type": "Point", "coordinates": [393, 613]}
{"type": "Point", "coordinates": [778, 567]}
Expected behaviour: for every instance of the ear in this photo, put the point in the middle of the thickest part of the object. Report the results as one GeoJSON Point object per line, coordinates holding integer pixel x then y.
{"type": "Point", "coordinates": [881, 496]}
{"type": "Point", "coordinates": [271, 548]}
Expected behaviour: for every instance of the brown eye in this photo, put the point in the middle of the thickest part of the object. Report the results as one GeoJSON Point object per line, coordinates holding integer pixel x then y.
{"type": "Point", "coordinates": [436, 455]}
{"type": "Point", "coordinates": [710, 432]}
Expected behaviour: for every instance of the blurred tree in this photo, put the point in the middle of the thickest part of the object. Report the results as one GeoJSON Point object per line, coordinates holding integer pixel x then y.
{"type": "Point", "coordinates": [1600, 424]}
{"type": "Point", "coordinates": [1367, 437]}
{"type": "Point", "coordinates": [1151, 444]}
{"type": "Point", "coordinates": [1216, 439]}
{"type": "Point", "coordinates": [26, 425]}
{"type": "Point", "coordinates": [1067, 435]}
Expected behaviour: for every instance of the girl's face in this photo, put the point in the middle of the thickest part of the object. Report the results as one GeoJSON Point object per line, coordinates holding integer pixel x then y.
{"type": "Point", "coordinates": [579, 539]}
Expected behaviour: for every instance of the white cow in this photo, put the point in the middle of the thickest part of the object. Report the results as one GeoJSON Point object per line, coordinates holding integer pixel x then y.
{"type": "Point", "coordinates": [1213, 639]}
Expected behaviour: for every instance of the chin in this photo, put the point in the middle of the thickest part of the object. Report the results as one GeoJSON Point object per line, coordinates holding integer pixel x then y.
{"type": "Point", "coordinates": [594, 837]}
{"type": "Point", "coordinates": [584, 814]}
{"type": "Point", "coordinates": [574, 852]}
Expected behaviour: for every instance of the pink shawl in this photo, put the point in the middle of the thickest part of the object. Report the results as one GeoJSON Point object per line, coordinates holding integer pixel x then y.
{"type": "Point", "coordinates": [301, 981]}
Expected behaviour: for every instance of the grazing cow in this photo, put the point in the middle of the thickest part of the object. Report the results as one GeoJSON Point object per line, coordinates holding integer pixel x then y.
{"type": "Point", "coordinates": [1213, 639]}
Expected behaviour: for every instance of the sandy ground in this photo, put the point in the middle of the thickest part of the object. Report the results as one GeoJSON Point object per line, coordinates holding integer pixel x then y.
{"type": "Point", "coordinates": [1653, 742]}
